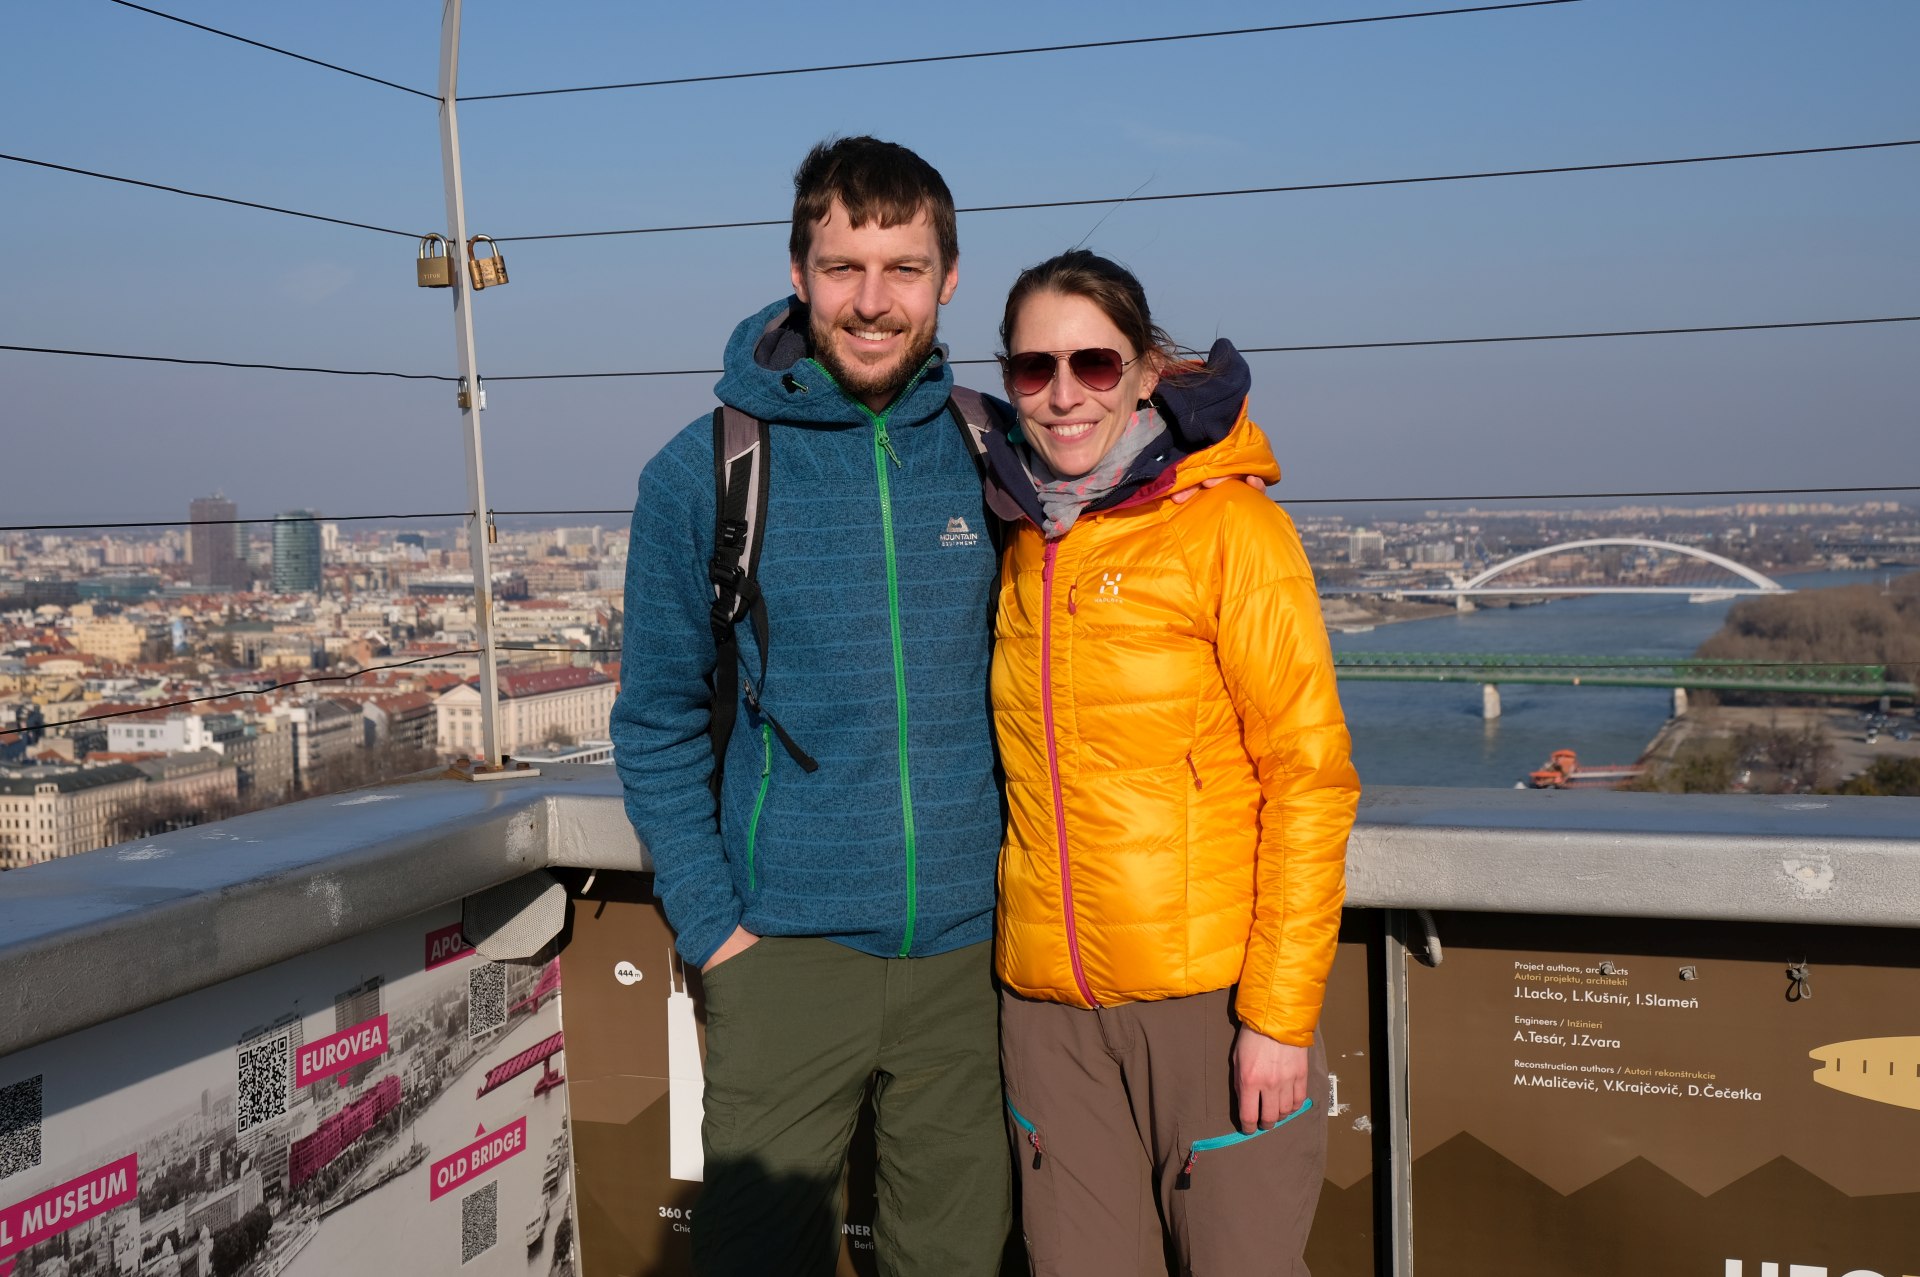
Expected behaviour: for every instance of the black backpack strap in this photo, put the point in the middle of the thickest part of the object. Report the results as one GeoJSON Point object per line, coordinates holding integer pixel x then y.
{"type": "Point", "coordinates": [740, 470]}
{"type": "Point", "coordinates": [975, 417]}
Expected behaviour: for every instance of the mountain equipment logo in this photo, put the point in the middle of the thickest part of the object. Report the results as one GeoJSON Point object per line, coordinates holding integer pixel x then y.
{"type": "Point", "coordinates": [1110, 586]}
{"type": "Point", "coordinates": [958, 535]}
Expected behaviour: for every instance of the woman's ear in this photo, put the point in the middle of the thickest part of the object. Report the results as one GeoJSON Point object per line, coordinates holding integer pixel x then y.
{"type": "Point", "coordinates": [1150, 377]}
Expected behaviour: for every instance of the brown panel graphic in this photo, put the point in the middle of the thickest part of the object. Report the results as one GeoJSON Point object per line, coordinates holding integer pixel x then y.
{"type": "Point", "coordinates": [1612, 1096]}
{"type": "Point", "coordinates": [1341, 1244]}
{"type": "Point", "coordinates": [635, 1217]}
{"type": "Point", "coordinates": [1882, 1069]}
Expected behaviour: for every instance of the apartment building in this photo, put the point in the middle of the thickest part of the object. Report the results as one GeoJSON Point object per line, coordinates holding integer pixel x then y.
{"type": "Point", "coordinates": [48, 812]}
{"type": "Point", "coordinates": [536, 706]}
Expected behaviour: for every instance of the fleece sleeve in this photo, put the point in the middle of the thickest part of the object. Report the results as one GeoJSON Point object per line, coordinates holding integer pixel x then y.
{"type": "Point", "coordinates": [1278, 668]}
{"type": "Point", "coordinates": [660, 720]}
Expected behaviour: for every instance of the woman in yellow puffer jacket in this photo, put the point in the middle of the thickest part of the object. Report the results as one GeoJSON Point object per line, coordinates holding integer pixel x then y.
{"type": "Point", "coordinates": [1179, 797]}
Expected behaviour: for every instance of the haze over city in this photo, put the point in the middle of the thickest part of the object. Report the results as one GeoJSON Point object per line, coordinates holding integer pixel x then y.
{"type": "Point", "coordinates": [106, 267]}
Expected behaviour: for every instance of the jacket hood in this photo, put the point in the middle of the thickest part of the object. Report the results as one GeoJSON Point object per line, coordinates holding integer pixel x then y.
{"type": "Point", "coordinates": [771, 374]}
{"type": "Point", "coordinates": [1208, 434]}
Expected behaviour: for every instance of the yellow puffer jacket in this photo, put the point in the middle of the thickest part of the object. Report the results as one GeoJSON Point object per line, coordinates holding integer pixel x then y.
{"type": "Point", "coordinates": [1178, 780]}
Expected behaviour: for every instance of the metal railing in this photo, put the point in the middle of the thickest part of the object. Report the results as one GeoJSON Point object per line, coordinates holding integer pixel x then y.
{"type": "Point", "coordinates": [224, 899]}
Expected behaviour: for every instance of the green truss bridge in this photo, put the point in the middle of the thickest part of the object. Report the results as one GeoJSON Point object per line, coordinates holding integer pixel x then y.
{"type": "Point", "coordinates": [1491, 669]}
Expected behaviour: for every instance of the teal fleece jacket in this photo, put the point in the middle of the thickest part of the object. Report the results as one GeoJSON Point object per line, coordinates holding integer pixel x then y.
{"type": "Point", "coordinates": [878, 573]}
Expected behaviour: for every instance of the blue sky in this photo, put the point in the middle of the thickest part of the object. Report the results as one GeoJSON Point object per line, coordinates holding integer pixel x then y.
{"type": "Point", "coordinates": [99, 266]}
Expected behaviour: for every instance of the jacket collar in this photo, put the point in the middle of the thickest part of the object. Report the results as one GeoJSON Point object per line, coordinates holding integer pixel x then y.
{"type": "Point", "coordinates": [770, 374]}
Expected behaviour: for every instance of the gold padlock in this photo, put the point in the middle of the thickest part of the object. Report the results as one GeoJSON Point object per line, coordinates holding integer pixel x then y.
{"type": "Point", "coordinates": [435, 267]}
{"type": "Point", "coordinates": [486, 271]}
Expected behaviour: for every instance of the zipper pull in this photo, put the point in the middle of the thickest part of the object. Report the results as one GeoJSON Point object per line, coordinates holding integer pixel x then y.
{"type": "Point", "coordinates": [1185, 1178]}
{"type": "Point", "coordinates": [1073, 603]}
{"type": "Point", "coordinates": [886, 441]}
{"type": "Point", "coordinates": [1194, 769]}
{"type": "Point", "coordinates": [1033, 1138]}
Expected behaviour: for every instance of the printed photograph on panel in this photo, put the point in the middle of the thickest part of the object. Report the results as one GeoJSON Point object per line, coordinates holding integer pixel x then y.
{"type": "Point", "coordinates": [394, 1103]}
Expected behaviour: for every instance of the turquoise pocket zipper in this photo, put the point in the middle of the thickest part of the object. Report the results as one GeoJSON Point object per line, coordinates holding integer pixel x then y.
{"type": "Point", "coordinates": [1033, 1133]}
{"type": "Point", "coordinates": [1198, 1147]}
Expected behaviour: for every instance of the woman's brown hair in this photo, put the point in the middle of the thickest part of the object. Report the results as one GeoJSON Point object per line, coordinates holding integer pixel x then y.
{"type": "Point", "coordinates": [1107, 284]}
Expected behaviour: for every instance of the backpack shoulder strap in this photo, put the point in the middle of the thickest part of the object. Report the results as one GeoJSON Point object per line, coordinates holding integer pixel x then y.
{"type": "Point", "coordinates": [741, 466]}
{"type": "Point", "coordinates": [975, 417]}
{"type": "Point", "coordinates": [739, 528]}
{"type": "Point", "coordinates": [970, 412]}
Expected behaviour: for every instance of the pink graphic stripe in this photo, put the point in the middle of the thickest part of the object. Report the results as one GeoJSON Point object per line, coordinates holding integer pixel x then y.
{"type": "Point", "coordinates": [1053, 769]}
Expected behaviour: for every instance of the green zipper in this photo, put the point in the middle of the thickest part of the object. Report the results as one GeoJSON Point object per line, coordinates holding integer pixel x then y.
{"type": "Point", "coordinates": [759, 801]}
{"type": "Point", "coordinates": [882, 451]}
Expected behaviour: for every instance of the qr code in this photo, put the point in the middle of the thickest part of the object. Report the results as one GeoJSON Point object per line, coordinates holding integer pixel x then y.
{"type": "Point", "coordinates": [20, 1114]}
{"type": "Point", "coordinates": [265, 1072]}
{"type": "Point", "coordinates": [479, 1221]}
{"type": "Point", "coordinates": [486, 999]}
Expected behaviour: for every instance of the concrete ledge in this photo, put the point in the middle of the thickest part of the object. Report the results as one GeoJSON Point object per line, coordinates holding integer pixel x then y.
{"type": "Point", "coordinates": [94, 937]}
{"type": "Point", "coordinates": [1738, 858]}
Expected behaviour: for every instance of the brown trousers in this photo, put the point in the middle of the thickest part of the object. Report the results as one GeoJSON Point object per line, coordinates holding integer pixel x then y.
{"type": "Point", "coordinates": [1104, 1108]}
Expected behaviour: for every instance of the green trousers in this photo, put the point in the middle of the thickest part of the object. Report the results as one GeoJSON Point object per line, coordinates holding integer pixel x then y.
{"type": "Point", "coordinates": [797, 1031]}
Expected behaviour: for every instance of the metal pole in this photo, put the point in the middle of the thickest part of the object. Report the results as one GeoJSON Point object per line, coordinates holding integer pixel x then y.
{"type": "Point", "coordinates": [472, 394]}
{"type": "Point", "coordinates": [1397, 1243]}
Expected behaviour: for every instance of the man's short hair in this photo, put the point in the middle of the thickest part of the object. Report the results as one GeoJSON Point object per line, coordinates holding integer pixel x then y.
{"type": "Point", "coordinates": [874, 181]}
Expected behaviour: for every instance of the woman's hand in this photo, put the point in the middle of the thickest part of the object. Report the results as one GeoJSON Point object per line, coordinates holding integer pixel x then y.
{"type": "Point", "coordinates": [1186, 494]}
{"type": "Point", "coordinates": [1269, 1079]}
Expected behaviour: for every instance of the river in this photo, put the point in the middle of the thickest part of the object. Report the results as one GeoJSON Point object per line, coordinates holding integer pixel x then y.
{"type": "Point", "coordinates": [1433, 734]}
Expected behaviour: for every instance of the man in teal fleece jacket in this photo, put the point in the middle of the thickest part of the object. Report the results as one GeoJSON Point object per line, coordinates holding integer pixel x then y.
{"type": "Point", "coordinates": [841, 917]}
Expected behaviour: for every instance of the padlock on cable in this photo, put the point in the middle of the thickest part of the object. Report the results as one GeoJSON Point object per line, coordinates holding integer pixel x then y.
{"type": "Point", "coordinates": [486, 271]}
{"type": "Point", "coordinates": [435, 266]}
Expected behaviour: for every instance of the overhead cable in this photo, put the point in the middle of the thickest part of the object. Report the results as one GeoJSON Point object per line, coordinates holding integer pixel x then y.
{"type": "Point", "coordinates": [255, 691]}
{"type": "Point", "coordinates": [1245, 350]}
{"type": "Point", "coordinates": [1276, 190]}
{"type": "Point", "coordinates": [1235, 192]}
{"type": "Point", "coordinates": [272, 48]}
{"type": "Point", "coordinates": [207, 523]}
{"type": "Point", "coordinates": [1600, 496]}
{"type": "Point", "coordinates": [231, 363]}
{"type": "Point", "coordinates": [1621, 332]}
{"type": "Point", "coordinates": [203, 195]}
{"type": "Point", "coordinates": [1463, 660]}
{"type": "Point", "coordinates": [625, 511]}
{"type": "Point", "coordinates": [1349, 345]}
{"type": "Point", "coordinates": [714, 372]}
{"type": "Point", "coordinates": [1010, 53]}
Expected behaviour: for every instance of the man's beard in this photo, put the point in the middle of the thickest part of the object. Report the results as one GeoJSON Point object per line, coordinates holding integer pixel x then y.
{"type": "Point", "coordinates": [865, 383]}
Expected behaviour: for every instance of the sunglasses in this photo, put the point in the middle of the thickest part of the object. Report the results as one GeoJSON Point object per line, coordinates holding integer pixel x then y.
{"type": "Point", "coordinates": [1096, 368]}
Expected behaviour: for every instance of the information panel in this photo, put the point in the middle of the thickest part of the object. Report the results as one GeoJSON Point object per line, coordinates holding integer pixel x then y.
{"type": "Point", "coordinates": [1595, 1096]}
{"type": "Point", "coordinates": [392, 1103]}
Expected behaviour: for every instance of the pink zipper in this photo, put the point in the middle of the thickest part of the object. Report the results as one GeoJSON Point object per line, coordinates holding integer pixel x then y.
{"type": "Point", "coordinates": [1053, 768]}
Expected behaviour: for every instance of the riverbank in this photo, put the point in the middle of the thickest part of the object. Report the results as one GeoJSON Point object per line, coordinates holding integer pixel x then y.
{"type": "Point", "coordinates": [1345, 613]}
{"type": "Point", "coordinates": [1769, 747]}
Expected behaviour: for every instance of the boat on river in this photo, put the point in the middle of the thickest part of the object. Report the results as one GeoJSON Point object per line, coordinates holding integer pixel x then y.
{"type": "Point", "coordinates": [1562, 770]}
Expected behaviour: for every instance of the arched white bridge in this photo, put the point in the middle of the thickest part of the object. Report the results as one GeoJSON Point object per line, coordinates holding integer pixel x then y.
{"type": "Point", "coordinates": [1758, 582]}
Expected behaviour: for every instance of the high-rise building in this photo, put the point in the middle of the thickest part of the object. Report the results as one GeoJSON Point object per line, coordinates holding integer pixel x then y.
{"type": "Point", "coordinates": [296, 552]}
{"type": "Point", "coordinates": [1366, 548]}
{"type": "Point", "coordinates": [214, 544]}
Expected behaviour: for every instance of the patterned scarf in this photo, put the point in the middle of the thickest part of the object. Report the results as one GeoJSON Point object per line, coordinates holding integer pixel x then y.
{"type": "Point", "coordinates": [1064, 498]}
